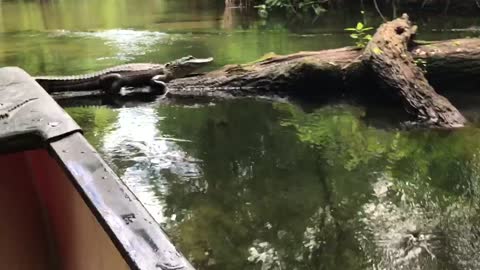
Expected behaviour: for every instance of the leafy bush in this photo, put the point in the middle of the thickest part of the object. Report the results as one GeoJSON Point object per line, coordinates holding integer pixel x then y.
{"type": "Point", "coordinates": [299, 8]}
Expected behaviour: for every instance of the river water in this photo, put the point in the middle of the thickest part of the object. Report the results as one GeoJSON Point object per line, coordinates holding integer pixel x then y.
{"type": "Point", "coordinates": [251, 184]}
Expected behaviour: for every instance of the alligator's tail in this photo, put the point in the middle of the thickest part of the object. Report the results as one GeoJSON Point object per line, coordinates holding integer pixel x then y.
{"type": "Point", "coordinates": [68, 83]}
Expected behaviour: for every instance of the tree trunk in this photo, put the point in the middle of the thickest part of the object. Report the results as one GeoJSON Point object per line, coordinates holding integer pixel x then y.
{"type": "Point", "coordinates": [392, 64]}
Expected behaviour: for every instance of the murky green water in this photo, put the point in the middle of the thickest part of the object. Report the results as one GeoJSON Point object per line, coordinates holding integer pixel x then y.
{"type": "Point", "coordinates": [258, 185]}
{"type": "Point", "coordinates": [248, 184]}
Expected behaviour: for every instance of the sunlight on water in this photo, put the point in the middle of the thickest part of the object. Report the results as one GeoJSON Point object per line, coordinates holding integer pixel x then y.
{"type": "Point", "coordinates": [413, 234]}
{"type": "Point", "coordinates": [128, 43]}
{"type": "Point", "coordinates": [148, 155]}
{"type": "Point", "coordinates": [403, 235]}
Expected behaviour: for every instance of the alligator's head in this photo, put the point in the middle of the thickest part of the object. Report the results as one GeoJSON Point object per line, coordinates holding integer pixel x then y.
{"type": "Point", "coordinates": [186, 65]}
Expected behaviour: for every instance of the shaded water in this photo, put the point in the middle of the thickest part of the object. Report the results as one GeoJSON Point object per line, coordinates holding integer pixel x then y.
{"type": "Point", "coordinates": [258, 185]}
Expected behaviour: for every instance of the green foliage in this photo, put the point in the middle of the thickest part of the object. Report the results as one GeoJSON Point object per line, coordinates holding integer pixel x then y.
{"type": "Point", "coordinates": [262, 11]}
{"type": "Point", "coordinates": [359, 33]}
{"type": "Point", "coordinates": [422, 64]}
{"type": "Point", "coordinates": [299, 8]}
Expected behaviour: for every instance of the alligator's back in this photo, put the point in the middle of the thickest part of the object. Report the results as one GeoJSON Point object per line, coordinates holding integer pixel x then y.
{"type": "Point", "coordinates": [91, 81]}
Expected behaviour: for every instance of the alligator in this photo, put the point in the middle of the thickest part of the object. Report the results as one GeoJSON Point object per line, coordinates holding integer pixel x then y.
{"type": "Point", "coordinates": [111, 80]}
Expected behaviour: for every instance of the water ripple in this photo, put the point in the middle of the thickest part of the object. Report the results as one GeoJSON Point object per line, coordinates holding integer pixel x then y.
{"type": "Point", "coordinates": [128, 42]}
{"type": "Point", "coordinates": [146, 157]}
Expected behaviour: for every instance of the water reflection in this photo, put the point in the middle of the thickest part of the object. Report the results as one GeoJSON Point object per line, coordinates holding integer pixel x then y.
{"type": "Point", "coordinates": [142, 156]}
{"type": "Point", "coordinates": [421, 214]}
{"type": "Point", "coordinates": [317, 190]}
{"type": "Point", "coordinates": [248, 213]}
{"type": "Point", "coordinates": [403, 235]}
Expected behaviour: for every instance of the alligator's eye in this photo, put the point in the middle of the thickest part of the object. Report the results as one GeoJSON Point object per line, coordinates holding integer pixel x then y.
{"type": "Point", "coordinates": [190, 57]}
{"type": "Point", "coordinates": [167, 64]}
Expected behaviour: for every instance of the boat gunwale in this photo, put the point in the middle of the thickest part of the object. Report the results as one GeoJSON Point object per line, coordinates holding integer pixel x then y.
{"type": "Point", "coordinates": [31, 119]}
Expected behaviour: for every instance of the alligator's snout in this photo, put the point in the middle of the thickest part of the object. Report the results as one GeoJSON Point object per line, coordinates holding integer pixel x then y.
{"type": "Point", "coordinates": [185, 65]}
{"type": "Point", "coordinates": [200, 60]}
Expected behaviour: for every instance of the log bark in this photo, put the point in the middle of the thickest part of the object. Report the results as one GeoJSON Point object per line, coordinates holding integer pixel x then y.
{"type": "Point", "coordinates": [387, 55]}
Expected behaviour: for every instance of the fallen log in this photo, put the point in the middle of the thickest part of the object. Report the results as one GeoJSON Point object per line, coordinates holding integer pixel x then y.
{"type": "Point", "coordinates": [450, 65]}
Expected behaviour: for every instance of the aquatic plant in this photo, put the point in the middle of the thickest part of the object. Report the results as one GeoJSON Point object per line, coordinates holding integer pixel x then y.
{"type": "Point", "coordinates": [359, 33]}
